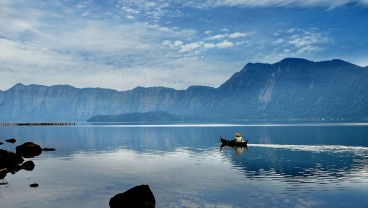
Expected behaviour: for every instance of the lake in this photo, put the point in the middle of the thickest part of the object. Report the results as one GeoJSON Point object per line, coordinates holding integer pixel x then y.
{"type": "Point", "coordinates": [285, 165]}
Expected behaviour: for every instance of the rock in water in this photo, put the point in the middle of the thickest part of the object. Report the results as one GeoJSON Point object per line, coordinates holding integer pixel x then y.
{"type": "Point", "coordinates": [34, 185]}
{"type": "Point", "coordinates": [3, 173]}
{"type": "Point", "coordinates": [12, 140]}
{"type": "Point", "coordinates": [48, 149]}
{"type": "Point", "coordinates": [139, 196]}
{"type": "Point", "coordinates": [28, 165]}
{"type": "Point", "coordinates": [28, 149]}
{"type": "Point", "coordinates": [9, 161]}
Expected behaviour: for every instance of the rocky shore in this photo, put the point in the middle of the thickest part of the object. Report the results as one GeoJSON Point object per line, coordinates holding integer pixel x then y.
{"type": "Point", "coordinates": [12, 162]}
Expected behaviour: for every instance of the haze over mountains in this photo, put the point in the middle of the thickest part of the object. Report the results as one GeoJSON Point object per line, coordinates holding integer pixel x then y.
{"type": "Point", "coordinates": [290, 89]}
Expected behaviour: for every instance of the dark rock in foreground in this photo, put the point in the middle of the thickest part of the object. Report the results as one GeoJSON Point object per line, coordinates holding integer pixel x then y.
{"type": "Point", "coordinates": [3, 173]}
{"type": "Point", "coordinates": [28, 149]}
{"type": "Point", "coordinates": [139, 196]}
{"type": "Point", "coordinates": [9, 162]}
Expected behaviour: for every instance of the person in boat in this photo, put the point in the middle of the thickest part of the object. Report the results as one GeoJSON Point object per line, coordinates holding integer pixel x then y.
{"type": "Point", "coordinates": [238, 138]}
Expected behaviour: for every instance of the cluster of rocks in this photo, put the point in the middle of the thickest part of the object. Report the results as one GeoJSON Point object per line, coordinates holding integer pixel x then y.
{"type": "Point", "coordinates": [12, 162]}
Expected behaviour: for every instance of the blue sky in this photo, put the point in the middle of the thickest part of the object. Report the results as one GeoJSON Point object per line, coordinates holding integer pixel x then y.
{"type": "Point", "coordinates": [122, 44]}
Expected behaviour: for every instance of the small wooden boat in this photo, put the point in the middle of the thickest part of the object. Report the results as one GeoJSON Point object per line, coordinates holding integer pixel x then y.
{"type": "Point", "coordinates": [232, 143]}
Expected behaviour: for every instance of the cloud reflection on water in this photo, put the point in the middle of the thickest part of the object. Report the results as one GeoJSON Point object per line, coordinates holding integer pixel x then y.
{"type": "Point", "coordinates": [175, 178]}
{"type": "Point", "coordinates": [185, 167]}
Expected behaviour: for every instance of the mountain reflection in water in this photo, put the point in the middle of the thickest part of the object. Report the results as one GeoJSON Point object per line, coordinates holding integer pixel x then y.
{"type": "Point", "coordinates": [302, 164]}
{"type": "Point", "coordinates": [296, 166]}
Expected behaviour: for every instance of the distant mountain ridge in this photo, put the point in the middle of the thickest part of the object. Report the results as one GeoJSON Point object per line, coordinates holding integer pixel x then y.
{"type": "Point", "coordinates": [290, 89]}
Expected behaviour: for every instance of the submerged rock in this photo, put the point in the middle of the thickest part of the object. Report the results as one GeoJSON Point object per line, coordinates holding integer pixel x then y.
{"type": "Point", "coordinates": [48, 149]}
{"type": "Point", "coordinates": [28, 149]}
{"type": "Point", "coordinates": [139, 196]}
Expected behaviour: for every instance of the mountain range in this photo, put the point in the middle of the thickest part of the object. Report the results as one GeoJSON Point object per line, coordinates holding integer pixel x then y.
{"type": "Point", "coordinates": [290, 89]}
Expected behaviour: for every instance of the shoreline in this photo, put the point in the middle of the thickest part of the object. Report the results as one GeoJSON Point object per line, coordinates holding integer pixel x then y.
{"type": "Point", "coordinates": [39, 124]}
{"type": "Point", "coordinates": [186, 124]}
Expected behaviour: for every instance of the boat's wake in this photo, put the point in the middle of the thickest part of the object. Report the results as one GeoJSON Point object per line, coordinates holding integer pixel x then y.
{"type": "Point", "coordinates": [315, 148]}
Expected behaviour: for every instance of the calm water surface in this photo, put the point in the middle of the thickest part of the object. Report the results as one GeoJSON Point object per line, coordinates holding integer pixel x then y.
{"type": "Point", "coordinates": [284, 166]}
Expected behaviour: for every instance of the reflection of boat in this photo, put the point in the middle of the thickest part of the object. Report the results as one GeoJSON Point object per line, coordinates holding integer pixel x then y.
{"type": "Point", "coordinates": [232, 143]}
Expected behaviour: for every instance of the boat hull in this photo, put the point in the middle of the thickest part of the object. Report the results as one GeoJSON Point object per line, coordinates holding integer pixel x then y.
{"type": "Point", "coordinates": [232, 143]}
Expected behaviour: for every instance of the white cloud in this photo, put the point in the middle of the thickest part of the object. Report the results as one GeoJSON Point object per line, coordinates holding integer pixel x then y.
{"type": "Point", "coordinates": [178, 43]}
{"type": "Point", "coordinates": [150, 8]}
{"type": "Point", "coordinates": [291, 30]}
{"type": "Point", "coordinates": [190, 47]}
{"type": "Point", "coordinates": [127, 42]}
{"type": "Point", "coordinates": [17, 21]}
{"type": "Point", "coordinates": [54, 47]}
{"type": "Point", "coordinates": [218, 41]}
{"type": "Point", "coordinates": [202, 45]}
{"type": "Point", "coordinates": [278, 41]}
{"type": "Point", "coordinates": [209, 45]}
{"type": "Point", "coordinates": [32, 64]}
{"type": "Point", "coordinates": [219, 36]}
{"type": "Point", "coordinates": [308, 41]}
{"type": "Point", "coordinates": [225, 44]}
{"type": "Point", "coordinates": [43, 48]}
{"type": "Point", "coordinates": [130, 10]}
{"type": "Point", "coordinates": [227, 35]}
{"type": "Point", "coordinates": [296, 41]}
{"type": "Point", "coordinates": [277, 3]}
{"type": "Point", "coordinates": [237, 35]}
